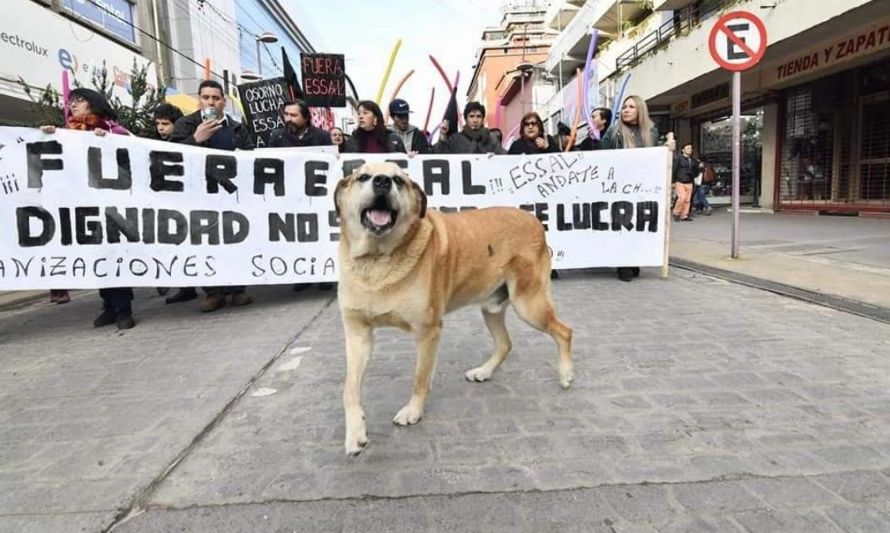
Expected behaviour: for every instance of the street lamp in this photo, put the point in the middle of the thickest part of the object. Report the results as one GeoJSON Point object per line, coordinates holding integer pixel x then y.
{"type": "Point", "coordinates": [265, 37]}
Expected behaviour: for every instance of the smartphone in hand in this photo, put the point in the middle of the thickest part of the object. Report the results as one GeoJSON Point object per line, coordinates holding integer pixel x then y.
{"type": "Point", "coordinates": [208, 114]}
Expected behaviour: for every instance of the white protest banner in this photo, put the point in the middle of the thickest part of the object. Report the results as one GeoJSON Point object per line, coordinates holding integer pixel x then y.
{"type": "Point", "coordinates": [82, 211]}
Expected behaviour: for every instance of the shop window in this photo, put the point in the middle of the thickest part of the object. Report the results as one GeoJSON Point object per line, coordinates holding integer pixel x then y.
{"type": "Point", "coordinates": [875, 150]}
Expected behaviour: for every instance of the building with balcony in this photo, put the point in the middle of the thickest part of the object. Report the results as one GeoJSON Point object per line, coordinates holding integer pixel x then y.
{"type": "Point", "coordinates": [815, 124]}
{"type": "Point", "coordinates": [507, 77]}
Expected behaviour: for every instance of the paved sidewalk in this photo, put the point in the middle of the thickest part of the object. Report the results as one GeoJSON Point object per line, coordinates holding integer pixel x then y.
{"type": "Point", "coordinates": [842, 256]}
{"type": "Point", "coordinates": [699, 405]}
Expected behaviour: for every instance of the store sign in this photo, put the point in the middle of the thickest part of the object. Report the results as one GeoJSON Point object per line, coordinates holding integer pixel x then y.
{"type": "Point", "coordinates": [829, 53]}
{"type": "Point", "coordinates": [116, 16]}
{"type": "Point", "coordinates": [39, 53]}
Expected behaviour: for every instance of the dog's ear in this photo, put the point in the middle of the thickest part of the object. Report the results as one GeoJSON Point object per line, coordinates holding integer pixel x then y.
{"type": "Point", "coordinates": [340, 185]}
{"type": "Point", "coordinates": [421, 198]}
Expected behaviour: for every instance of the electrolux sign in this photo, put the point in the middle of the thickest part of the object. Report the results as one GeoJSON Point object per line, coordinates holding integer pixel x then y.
{"type": "Point", "coordinates": [115, 16]}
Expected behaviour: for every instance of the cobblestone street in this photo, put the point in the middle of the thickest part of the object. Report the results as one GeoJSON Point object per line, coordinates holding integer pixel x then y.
{"type": "Point", "coordinates": [698, 405]}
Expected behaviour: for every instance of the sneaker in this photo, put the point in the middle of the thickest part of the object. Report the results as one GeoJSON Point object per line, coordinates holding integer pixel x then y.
{"type": "Point", "coordinates": [213, 302]}
{"type": "Point", "coordinates": [125, 320]}
{"type": "Point", "coordinates": [182, 295]}
{"type": "Point", "coordinates": [240, 298]}
{"type": "Point", "coordinates": [107, 318]}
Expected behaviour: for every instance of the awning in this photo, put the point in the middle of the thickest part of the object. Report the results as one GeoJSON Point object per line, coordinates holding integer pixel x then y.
{"type": "Point", "coordinates": [188, 104]}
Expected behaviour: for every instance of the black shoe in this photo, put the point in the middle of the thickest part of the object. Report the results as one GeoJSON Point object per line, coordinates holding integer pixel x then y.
{"type": "Point", "coordinates": [554, 274]}
{"type": "Point", "coordinates": [107, 318]}
{"type": "Point", "coordinates": [162, 291]}
{"type": "Point", "coordinates": [125, 320]}
{"type": "Point", "coordinates": [182, 295]}
{"type": "Point", "coordinates": [635, 271]}
{"type": "Point", "coordinates": [625, 273]}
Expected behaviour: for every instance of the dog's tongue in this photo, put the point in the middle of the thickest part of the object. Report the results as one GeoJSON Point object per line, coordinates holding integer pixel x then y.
{"type": "Point", "coordinates": [379, 217]}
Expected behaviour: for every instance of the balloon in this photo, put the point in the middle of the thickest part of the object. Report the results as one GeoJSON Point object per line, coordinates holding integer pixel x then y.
{"type": "Point", "coordinates": [429, 110]}
{"type": "Point", "coordinates": [392, 59]}
{"type": "Point", "coordinates": [396, 91]}
{"type": "Point", "coordinates": [497, 113]}
{"type": "Point", "coordinates": [66, 93]}
{"type": "Point", "coordinates": [589, 66]}
{"type": "Point", "coordinates": [441, 72]}
{"type": "Point", "coordinates": [616, 107]}
{"type": "Point", "coordinates": [206, 68]}
{"type": "Point", "coordinates": [574, 133]}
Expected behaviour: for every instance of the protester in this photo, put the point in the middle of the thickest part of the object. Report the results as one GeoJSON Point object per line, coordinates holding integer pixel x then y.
{"type": "Point", "coordinates": [600, 119]}
{"type": "Point", "coordinates": [338, 138]}
{"type": "Point", "coordinates": [685, 171]}
{"type": "Point", "coordinates": [472, 139]}
{"type": "Point", "coordinates": [563, 132]}
{"type": "Point", "coordinates": [371, 136]}
{"type": "Point", "coordinates": [165, 116]}
{"type": "Point", "coordinates": [634, 129]}
{"type": "Point", "coordinates": [89, 111]}
{"type": "Point", "coordinates": [498, 135]}
{"type": "Point", "coordinates": [210, 127]}
{"type": "Point", "coordinates": [413, 139]}
{"type": "Point", "coordinates": [532, 139]}
{"type": "Point", "coordinates": [298, 129]}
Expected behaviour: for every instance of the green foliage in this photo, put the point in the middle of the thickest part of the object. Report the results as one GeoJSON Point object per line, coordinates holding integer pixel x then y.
{"type": "Point", "coordinates": [138, 116]}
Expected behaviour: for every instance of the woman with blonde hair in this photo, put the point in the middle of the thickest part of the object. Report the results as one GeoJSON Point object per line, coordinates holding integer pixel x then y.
{"type": "Point", "coordinates": [633, 129]}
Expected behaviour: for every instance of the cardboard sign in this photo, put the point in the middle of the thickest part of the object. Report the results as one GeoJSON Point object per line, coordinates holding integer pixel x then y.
{"type": "Point", "coordinates": [262, 102]}
{"type": "Point", "coordinates": [324, 79]}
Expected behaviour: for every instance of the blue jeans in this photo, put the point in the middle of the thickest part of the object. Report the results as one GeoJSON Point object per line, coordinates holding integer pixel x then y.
{"type": "Point", "coordinates": [700, 202]}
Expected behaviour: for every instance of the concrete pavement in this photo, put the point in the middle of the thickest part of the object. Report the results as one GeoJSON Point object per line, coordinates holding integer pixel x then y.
{"type": "Point", "coordinates": [699, 405]}
{"type": "Point", "coordinates": [841, 256]}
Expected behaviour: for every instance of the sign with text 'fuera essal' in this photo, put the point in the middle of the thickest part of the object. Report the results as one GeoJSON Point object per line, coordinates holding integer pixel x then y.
{"type": "Point", "coordinates": [82, 211]}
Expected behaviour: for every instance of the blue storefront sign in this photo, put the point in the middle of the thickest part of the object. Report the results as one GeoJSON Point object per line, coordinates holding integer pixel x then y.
{"type": "Point", "coordinates": [116, 16]}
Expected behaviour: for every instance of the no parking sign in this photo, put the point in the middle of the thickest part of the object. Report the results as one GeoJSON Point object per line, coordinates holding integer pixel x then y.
{"type": "Point", "coordinates": [737, 41]}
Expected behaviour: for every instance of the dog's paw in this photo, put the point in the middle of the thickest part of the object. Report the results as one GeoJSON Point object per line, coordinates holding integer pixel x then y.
{"type": "Point", "coordinates": [566, 376]}
{"type": "Point", "coordinates": [408, 415]}
{"type": "Point", "coordinates": [478, 374]}
{"type": "Point", "coordinates": [356, 443]}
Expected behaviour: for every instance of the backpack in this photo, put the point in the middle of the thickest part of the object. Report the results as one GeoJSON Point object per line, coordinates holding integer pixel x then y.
{"type": "Point", "coordinates": [707, 175]}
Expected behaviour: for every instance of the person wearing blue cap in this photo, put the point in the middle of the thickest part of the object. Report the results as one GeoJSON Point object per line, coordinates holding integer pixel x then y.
{"type": "Point", "coordinates": [413, 139]}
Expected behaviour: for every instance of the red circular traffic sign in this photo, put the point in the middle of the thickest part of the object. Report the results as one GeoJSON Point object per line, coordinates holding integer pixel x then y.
{"type": "Point", "coordinates": [737, 41]}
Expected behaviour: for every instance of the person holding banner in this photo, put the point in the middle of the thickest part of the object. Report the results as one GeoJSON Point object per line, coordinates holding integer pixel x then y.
{"type": "Point", "coordinates": [89, 111]}
{"type": "Point", "coordinates": [210, 127]}
{"type": "Point", "coordinates": [532, 139]}
{"type": "Point", "coordinates": [297, 130]}
{"type": "Point", "coordinates": [473, 139]}
{"type": "Point", "coordinates": [371, 136]}
{"type": "Point", "coordinates": [165, 116]}
{"type": "Point", "coordinates": [338, 138]}
{"type": "Point", "coordinates": [633, 129]}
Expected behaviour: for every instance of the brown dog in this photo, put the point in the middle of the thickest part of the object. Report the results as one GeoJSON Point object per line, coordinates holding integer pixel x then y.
{"type": "Point", "coordinates": [404, 266]}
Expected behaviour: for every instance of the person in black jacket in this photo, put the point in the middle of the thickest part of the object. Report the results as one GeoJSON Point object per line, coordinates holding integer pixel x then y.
{"type": "Point", "coordinates": [413, 139]}
{"type": "Point", "coordinates": [371, 136]}
{"type": "Point", "coordinates": [601, 119]}
{"type": "Point", "coordinates": [474, 138]}
{"type": "Point", "coordinates": [686, 169]}
{"type": "Point", "coordinates": [532, 139]}
{"type": "Point", "coordinates": [297, 130]}
{"type": "Point", "coordinates": [210, 127]}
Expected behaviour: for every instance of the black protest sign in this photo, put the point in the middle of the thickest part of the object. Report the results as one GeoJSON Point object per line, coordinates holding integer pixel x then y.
{"type": "Point", "coordinates": [324, 79]}
{"type": "Point", "coordinates": [262, 102]}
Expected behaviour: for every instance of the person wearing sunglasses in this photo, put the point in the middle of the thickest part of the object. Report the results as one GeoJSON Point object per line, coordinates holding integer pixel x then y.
{"type": "Point", "coordinates": [532, 139]}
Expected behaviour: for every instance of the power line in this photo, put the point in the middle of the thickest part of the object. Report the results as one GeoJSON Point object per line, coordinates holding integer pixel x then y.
{"type": "Point", "coordinates": [150, 36]}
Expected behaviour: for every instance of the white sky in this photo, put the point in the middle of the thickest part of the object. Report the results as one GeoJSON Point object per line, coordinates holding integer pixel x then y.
{"type": "Point", "coordinates": [365, 31]}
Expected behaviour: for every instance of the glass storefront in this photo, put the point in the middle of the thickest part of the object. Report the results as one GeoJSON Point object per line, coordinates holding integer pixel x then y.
{"type": "Point", "coordinates": [715, 138]}
{"type": "Point", "coordinates": [835, 141]}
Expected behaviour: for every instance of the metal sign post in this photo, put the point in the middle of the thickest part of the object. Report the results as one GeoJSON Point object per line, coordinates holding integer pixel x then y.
{"type": "Point", "coordinates": [737, 42]}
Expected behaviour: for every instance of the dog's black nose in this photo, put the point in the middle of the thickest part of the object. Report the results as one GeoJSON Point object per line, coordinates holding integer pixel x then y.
{"type": "Point", "coordinates": [382, 183]}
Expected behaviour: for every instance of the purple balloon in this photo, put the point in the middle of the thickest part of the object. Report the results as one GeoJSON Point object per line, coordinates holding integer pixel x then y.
{"type": "Point", "coordinates": [584, 94]}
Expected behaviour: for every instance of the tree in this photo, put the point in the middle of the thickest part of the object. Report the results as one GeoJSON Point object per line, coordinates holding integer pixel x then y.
{"type": "Point", "coordinates": [138, 116]}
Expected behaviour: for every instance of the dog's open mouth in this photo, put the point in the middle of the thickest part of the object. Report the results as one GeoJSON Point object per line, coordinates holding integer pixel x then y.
{"type": "Point", "coordinates": [379, 217]}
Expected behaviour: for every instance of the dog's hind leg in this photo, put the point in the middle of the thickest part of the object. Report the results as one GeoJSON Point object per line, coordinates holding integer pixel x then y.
{"type": "Point", "coordinates": [494, 320]}
{"type": "Point", "coordinates": [532, 302]}
{"type": "Point", "coordinates": [424, 368]}
{"type": "Point", "coordinates": [359, 343]}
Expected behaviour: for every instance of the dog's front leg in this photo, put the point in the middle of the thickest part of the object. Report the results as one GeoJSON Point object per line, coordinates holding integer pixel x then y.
{"type": "Point", "coordinates": [359, 342]}
{"type": "Point", "coordinates": [427, 351]}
